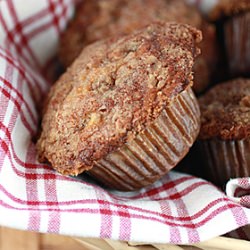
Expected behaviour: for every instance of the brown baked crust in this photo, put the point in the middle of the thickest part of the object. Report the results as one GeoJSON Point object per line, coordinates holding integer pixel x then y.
{"type": "Point", "coordinates": [100, 19]}
{"type": "Point", "coordinates": [113, 91]}
{"type": "Point", "coordinates": [226, 8]}
{"type": "Point", "coordinates": [225, 111]}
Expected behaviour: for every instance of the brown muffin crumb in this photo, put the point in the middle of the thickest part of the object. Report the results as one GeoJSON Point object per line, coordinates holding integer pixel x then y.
{"type": "Point", "coordinates": [225, 111]}
{"type": "Point", "coordinates": [113, 90]}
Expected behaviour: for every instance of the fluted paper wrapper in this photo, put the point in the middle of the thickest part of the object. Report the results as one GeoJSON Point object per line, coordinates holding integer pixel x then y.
{"type": "Point", "coordinates": [226, 159]}
{"type": "Point", "coordinates": [237, 43]}
{"type": "Point", "coordinates": [154, 151]}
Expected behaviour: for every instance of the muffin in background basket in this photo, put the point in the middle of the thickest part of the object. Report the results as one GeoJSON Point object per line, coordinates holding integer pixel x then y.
{"type": "Point", "coordinates": [233, 21]}
{"type": "Point", "coordinates": [95, 20]}
{"type": "Point", "coordinates": [125, 111]}
{"type": "Point", "coordinates": [225, 131]}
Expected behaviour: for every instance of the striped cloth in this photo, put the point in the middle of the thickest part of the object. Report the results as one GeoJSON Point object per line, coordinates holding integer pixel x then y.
{"type": "Point", "coordinates": [177, 209]}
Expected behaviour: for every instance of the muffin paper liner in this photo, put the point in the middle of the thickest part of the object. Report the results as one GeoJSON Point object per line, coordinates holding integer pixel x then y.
{"type": "Point", "coordinates": [178, 208]}
{"type": "Point", "coordinates": [237, 44]}
{"type": "Point", "coordinates": [155, 150]}
{"type": "Point", "coordinates": [226, 159]}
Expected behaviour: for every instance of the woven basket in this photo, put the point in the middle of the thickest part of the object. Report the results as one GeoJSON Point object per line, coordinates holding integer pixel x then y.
{"type": "Point", "coordinates": [218, 243]}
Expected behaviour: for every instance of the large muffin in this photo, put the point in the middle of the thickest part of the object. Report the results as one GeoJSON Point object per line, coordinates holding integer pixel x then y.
{"type": "Point", "coordinates": [124, 110]}
{"type": "Point", "coordinates": [95, 20]}
{"type": "Point", "coordinates": [233, 20]}
{"type": "Point", "coordinates": [225, 131]}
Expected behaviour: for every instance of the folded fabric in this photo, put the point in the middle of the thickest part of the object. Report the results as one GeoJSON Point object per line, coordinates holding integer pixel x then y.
{"type": "Point", "coordinates": [178, 209]}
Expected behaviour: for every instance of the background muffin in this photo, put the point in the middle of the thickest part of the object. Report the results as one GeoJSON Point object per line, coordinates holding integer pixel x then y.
{"type": "Point", "coordinates": [121, 96]}
{"type": "Point", "coordinates": [95, 20]}
{"type": "Point", "coordinates": [233, 21]}
{"type": "Point", "coordinates": [225, 131]}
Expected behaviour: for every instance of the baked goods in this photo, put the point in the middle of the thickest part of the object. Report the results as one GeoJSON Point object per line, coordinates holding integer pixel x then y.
{"type": "Point", "coordinates": [124, 110]}
{"type": "Point", "coordinates": [95, 20]}
{"type": "Point", "coordinates": [205, 66]}
{"type": "Point", "coordinates": [228, 8]}
{"type": "Point", "coordinates": [233, 18]}
{"type": "Point", "coordinates": [225, 130]}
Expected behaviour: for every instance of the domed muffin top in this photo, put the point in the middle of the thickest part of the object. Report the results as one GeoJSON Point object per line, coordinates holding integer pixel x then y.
{"type": "Point", "coordinates": [225, 111]}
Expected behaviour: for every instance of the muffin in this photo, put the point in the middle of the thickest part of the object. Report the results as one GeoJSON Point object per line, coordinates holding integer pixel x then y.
{"type": "Point", "coordinates": [124, 111]}
{"type": "Point", "coordinates": [225, 131]}
{"type": "Point", "coordinates": [233, 20]}
{"type": "Point", "coordinates": [95, 20]}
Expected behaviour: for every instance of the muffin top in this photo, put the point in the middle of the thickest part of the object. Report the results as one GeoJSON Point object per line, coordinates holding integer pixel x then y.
{"type": "Point", "coordinates": [95, 20]}
{"type": "Point", "coordinates": [225, 111]}
{"type": "Point", "coordinates": [226, 8]}
{"type": "Point", "coordinates": [113, 90]}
